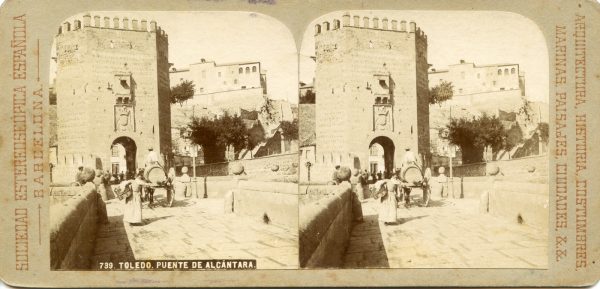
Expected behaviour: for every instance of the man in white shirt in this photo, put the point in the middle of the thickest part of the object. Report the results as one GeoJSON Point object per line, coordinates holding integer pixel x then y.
{"type": "Point", "coordinates": [152, 157]}
{"type": "Point", "coordinates": [409, 158]}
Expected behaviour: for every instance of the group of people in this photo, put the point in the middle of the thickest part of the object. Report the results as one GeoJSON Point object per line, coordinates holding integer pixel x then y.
{"type": "Point", "coordinates": [140, 189]}
{"type": "Point", "coordinates": [392, 189]}
{"type": "Point", "coordinates": [134, 188]}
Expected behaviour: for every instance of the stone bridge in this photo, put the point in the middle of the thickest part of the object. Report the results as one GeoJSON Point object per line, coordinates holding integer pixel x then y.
{"type": "Point", "coordinates": [239, 219]}
{"type": "Point", "coordinates": [493, 222]}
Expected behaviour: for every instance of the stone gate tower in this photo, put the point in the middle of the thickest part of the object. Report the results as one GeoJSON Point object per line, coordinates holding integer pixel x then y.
{"type": "Point", "coordinates": [112, 88]}
{"type": "Point", "coordinates": [372, 87]}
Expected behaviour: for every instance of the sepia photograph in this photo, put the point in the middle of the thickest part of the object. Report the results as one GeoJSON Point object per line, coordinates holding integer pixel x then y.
{"type": "Point", "coordinates": [423, 141]}
{"type": "Point", "coordinates": [173, 136]}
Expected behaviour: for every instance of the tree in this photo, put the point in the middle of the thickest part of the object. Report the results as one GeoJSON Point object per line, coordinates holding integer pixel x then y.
{"type": "Point", "coordinates": [232, 131]}
{"type": "Point", "coordinates": [182, 92]}
{"type": "Point", "coordinates": [526, 110]}
{"type": "Point", "coordinates": [256, 135]}
{"type": "Point", "coordinates": [514, 136]}
{"type": "Point", "coordinates": [216, 135]}
{"type": "Point", "coordinates": [543, 131]}
{"type": "Point", "coordinates": [204, 132]}
{"type": "Point", "coordinates": [289, 129]}
{"type": "Point", "coordinates": [441, 92]}
{"type": "Point", "coordinates": [309, 97]}
{"type": "Point", "coordinates": [473, 135]}
{"type": "Point", "coordinates": [267, 109]}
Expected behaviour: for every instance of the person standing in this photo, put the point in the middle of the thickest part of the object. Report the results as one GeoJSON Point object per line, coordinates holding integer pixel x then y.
{"type": "Point", "coordinates": [132, 212]}
{"type": "Point", "coordinates": [387, 202]}
{"type": "Point", "coordinates": [169, 188]}
{"type": "Point", "coordinates": [181, 184]}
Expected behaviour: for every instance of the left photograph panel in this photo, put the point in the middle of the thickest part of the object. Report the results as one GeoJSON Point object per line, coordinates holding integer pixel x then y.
{"type": "Point", "coordinates": [174, 142]}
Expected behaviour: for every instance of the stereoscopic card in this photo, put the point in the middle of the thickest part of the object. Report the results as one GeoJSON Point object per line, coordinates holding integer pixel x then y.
{"type": "Point", "coordinates": [299, 143]}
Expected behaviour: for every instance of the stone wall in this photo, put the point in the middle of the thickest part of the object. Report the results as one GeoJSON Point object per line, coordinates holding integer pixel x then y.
{"type": "Point", "coordinates": [325, 226]}
{"type": "Point", "coordinates": [62, 193]}
{"type": "Point", "coordinates": [268, 167]}
{"type": "Point", "coordinates": [73, 225]}
{"type": "Point", "coordinates": [538, 165]}
{"type": "Point", "coordinates": [523, 200]}
{"type": "Point", "coordinates": [270, 202]}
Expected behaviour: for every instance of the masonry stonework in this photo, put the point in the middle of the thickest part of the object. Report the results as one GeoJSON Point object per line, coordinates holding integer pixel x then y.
{"type": "Point", "coordinates": [372, 82]}
{"type": "Point", "coordinates": [112, 86]}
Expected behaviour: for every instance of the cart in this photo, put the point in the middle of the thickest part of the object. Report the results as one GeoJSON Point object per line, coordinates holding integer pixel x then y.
{"type": "Point", "coordinates": [156, 175]}
{"type": "Point", "coordinates": [413, 177]}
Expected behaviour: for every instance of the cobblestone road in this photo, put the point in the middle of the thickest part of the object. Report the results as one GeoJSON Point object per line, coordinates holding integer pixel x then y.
{"type": "Point", "coordinates": [194, 229]}
{"type": "Point", "coordinates": [451, 233]}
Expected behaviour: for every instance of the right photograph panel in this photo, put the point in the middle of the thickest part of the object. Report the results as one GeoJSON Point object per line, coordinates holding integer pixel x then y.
{"type": "Point", "coordinates": [423, 141]}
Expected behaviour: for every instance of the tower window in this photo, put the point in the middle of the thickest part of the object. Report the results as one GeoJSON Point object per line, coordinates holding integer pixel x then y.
{"type": "Point", "coordinates": [383, 84]}
{"type": "Point", "coordinates": [506, 71]}
{"type": "Point", "coordinates": [512, 70]}
{"type": "Point", "coordinates": [241, 70]}
{"type": "Point", "coordinates": [247, 69]}
{"type": "Point", "coordinates": [124, 84]}
{"type": "Point", "coordinates": [499, 71]}
{"type": "Point", "coordinates": [253, 68]}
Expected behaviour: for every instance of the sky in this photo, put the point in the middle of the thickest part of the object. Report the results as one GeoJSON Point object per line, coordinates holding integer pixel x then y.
{"type": "Point", "coordinates": [481, 37]}
{"type": "Point", "coordinates": [227, 37]}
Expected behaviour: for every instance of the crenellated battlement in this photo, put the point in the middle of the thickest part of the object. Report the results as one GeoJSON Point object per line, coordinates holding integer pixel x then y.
{"type": "Point", "coordinates": [356, 21]}
{"type": "Point", "coordinates": [116, 23]}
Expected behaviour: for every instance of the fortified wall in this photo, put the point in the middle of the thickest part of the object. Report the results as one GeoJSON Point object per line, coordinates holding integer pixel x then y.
{"type": "Point", "coordinates": [372, 83]}
{"type": "Point", "coordinates": [112, 87]}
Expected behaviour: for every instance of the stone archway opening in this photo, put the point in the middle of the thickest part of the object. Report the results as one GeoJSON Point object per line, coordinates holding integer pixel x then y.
{"type": "Point", "coordinates": [381, 156]}
{"type": "Point", "coordinates": [123, 156]}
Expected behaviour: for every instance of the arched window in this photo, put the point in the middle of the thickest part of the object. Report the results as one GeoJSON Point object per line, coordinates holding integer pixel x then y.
{"type": "Point", "coordinates": [241, 70]}
{"type": "Point", "coordinates": [326, 26]}
{"type": "Point", "coordinates": [253, 68]}
{"type": "Point", "coordinates": [336, 24]}
{"type": "Point", "coordinates": [247, 69]}
{"type": "Point", "coordinates": [317, 29]}
{"type": "Point", "coordinates": [505, 71]}
{"type": "Point", "coordinates": [512, 70]}
{"type": "Point", "coordinates": [499, 71]}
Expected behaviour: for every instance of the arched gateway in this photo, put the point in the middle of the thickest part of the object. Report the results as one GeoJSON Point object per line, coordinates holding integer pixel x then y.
{"type": "Point", "coordinates": [381, 155]}
{"type": "Point", "coordinates": [123, 156]}
{"type": "Point", "coordinates": [372, 93]}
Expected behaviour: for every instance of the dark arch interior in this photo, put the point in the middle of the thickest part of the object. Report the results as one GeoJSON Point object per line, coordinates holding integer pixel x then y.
{"type": "Point", "coordinates": [130, 152]}
{"type": "Point", "coordinates": [388, 152]}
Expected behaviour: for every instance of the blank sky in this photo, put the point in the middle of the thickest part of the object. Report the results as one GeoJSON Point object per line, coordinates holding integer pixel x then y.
{"type": "Point", "coordinates": [481, 37]}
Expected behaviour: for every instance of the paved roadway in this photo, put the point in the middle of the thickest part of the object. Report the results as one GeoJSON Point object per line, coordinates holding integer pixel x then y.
{"type": "Point", "coordinates": [194, 229]}
{"type": "Point", "coordinates": [451, 233]}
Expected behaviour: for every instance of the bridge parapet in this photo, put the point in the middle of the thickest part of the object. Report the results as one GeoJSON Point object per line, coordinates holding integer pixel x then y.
{"type": "Point", "coordinates": [325, 225]}
{"type": "Point", "coordinates": [73, 226]}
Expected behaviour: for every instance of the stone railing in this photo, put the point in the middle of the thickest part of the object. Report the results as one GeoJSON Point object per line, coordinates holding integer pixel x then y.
{"type": "Point", "coordinates": [271, 202]}
{"type": "Point", "coordinates": [73, 226]}
{"type": "Point", "coordinates": [325, 226]}
{"type": "Point", "coordinates": [274, 166]}
{"type": "Point", "coordinates": [523, 199]}
{"type": "Point", "coordinates": [537, 165]}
